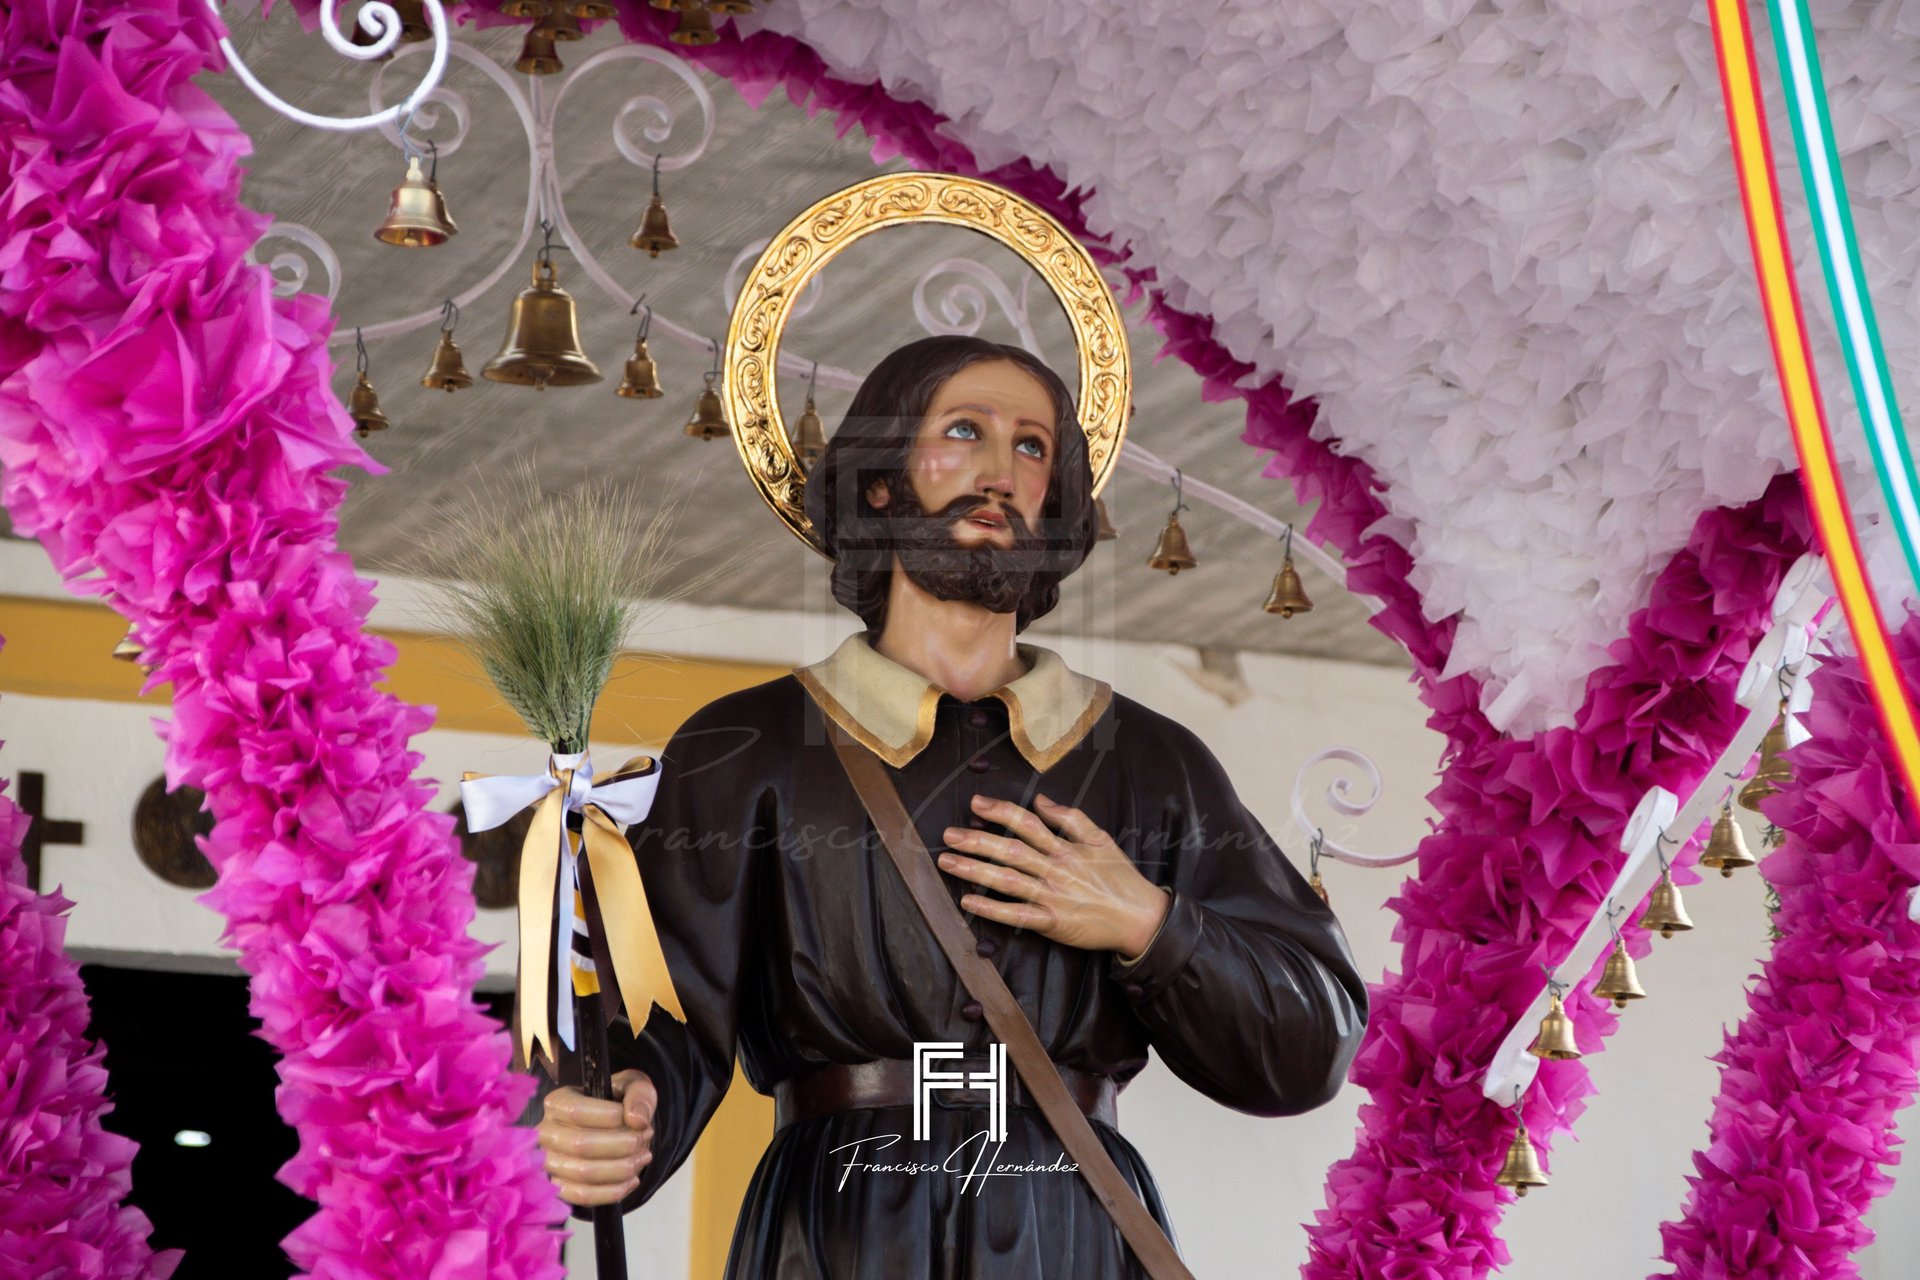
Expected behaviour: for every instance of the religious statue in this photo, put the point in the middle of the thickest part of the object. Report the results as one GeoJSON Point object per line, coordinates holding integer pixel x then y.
{"type": "Point", "coordinates": [1098, 852]}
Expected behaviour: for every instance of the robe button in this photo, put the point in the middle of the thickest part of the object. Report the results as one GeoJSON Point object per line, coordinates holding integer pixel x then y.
{"type": "Point", "coordinates": [1133, 989]}
{"type": "Point", "coordinates": [971, 1011]}
{"type": "Point", "coordinates": [979, 719]}
{"type": "Point", "coordinates": [986, 947]}
{"type": "Point", "coordinates": [979, 764]}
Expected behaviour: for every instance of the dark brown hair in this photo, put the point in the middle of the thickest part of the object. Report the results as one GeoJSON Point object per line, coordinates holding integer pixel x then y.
{"type": "Point", "coordinates": [873, 443]}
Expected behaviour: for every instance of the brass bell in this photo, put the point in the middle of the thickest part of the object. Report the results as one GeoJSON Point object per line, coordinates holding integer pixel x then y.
{"type": "Point", "coordinates": [730, 6]}
{"type": "Point", "coordinates": [1726, 846]}
{"type": "Point", "coordinates": [414, 219]}
{"type": "Point", "coordinates": [642, 380]}
{"type": "Point", "coordinates": [537, 55]}
{"type": "Point", "coordinates": [809, 433]}
{"type": "Point", "coordinates": [709, 419]}
{"type": "Point", "coordinates": [448, 371]}
{"type": "Point", "coordinates": [525, 8]}
{"type": "Point", "coordinates": [1665, 911]}
{"type": "Point", "coordinates": [809, 436]}
{"type": "Point", "coordinates": [654, 234]}
{"type": "Point", "coordinates": [643, 376]}
{"type": "Point", "coordinates": [592, 10]}
{"type": "Point", "coordinates": [128, 650]}
{"type": "Point", "coordinates": [1319, 886]}
{"type": "Point", "coordinates": [1555, 1042]}
{"type": "Point", "coordinates": [696, 28]}
{"type": "Point", "coordinates": [561, 23]}
{"type": "Point", "coordinates": [671, 5]}
{"type": "Point", "coordinates": [1288, 597]}
{"type": "Point", "coordinates": [1522, 1166]}
{"type": "Point", "coordinates": [543, 338]}
{"type": "Point", "coordinates": [1617, 981]}
{"type": "Point", "coordinates": [1772, 771]}
{"type": "Point", "coordinates": [1107, 532]}
{"type": "Point", "coordinates": [1172, 552]}
{"type": "Point", "coordinates": [363, 406]}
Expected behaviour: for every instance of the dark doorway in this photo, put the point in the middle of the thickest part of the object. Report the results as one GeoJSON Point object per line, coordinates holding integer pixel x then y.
{"type": "Point", "coordinates": [183, 1061]}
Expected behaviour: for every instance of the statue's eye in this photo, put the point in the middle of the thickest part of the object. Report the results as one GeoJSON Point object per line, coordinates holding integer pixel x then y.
{"type": "Point", "coordinates": [1039, 449]}
{"type": "Point", "coordinates": [967, 423]}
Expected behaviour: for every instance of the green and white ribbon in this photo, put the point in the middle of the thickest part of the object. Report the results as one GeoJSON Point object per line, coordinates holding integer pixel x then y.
{"type": "Point", "coordinates": [1846, 279]}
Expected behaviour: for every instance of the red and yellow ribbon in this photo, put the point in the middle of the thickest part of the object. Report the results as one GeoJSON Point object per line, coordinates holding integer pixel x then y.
{"type": "Point", "coordinates": [1806, 415]}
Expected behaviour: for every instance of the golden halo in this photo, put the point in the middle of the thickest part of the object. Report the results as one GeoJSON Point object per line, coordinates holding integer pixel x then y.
{"type": "Point", "coordinates": [810, 241]}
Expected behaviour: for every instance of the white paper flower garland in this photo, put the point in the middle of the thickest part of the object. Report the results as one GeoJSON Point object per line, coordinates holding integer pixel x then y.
{"type": "Point", "coordinates": [1502, 249]}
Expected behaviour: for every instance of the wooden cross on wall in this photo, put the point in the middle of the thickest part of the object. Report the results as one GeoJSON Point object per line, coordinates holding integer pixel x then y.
{"type": "Point", "coordinates": [41, 830]}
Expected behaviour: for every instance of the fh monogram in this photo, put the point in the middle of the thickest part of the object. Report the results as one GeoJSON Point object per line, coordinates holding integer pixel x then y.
{"type": "Point", "coordinates": [927, 1076]}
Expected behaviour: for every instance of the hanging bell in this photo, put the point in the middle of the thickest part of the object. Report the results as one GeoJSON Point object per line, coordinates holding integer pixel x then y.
{"type": "Point", "coordinates": [1107, 532]}
{"type": "Point", "coordinates": [1617, 981]}
{"type": "Point", "coordinates": [363, 406]}
{"type": "Point", "coordinates": [672, 6]}
{"type": "Point", "coordinates": [809, 436]}
{"type": "Point", "coordinates": [525, 8]}
{"type": "Point", "coordinates": [709, 418]}
{"type": "Point", "coordinates": [543, 338]}
{"type": "Point", "coordinates": [1773, 771]}
{"type": "Point", "coordinates": [643, 376]}
{"type": "Point", "coordinates": [1522, 1166]}
{"type": "Point", "coordinates": [1555, 1042]}
{"type": "Point", "coordinates": [654, 234]}
{"type": "Point", "coordinates": [696, 27]}
{"type": "Point", "coordinates": [592, 10]}
{"type": "Point", "coordinates": [1319, 886]}
{"type": "Point", "coordinates": [561, 24]}
{"type": "Point", "coordinates": [128, 650]}
{"type": "Point", "coordinates": [448, 371]}
{"type": "Point", "coordinates": [414, 219]}
{"type": "Point", "coordinates": [1172, 552]}
{"type": "Point", "coordinates": [1665, 911]}
{"type": "Point", "coordinates": [440, 208]}
{"type": "Point", "coordinates": [1288, 597]}
{"type": "Point", "coordinates": [1726, 847]}
{"type": "Point", "coordinates": [537, 55]}
{"type": "Point", "coordinates": [730, 6]}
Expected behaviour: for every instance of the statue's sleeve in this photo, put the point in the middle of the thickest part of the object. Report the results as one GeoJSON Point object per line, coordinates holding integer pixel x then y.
{"type": "Point", "coordinates": [1249, 991]}
{"type": "Point", "coordinates": [696, 862]}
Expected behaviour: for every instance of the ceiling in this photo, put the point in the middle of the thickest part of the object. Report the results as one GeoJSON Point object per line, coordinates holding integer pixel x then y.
{"type": "Point", "coordinates": [759, 169]}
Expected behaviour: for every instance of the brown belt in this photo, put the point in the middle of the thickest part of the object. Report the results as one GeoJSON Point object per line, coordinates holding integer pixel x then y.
{"type": "Point", "coordinates": [889, 1083]}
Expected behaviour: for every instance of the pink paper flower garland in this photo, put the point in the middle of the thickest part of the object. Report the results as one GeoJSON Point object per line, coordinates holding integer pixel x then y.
{"type": "Point", "coordinates": [62, 1176]}
{"type": "Point", "coordinates": [1416, 1199]}
{"type": "Point", "coordinates": [1812, 1077]}
{"type": "Point", "coordinates": [167, 429]}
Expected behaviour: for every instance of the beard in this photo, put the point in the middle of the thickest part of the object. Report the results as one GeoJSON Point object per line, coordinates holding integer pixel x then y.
{"type": "Point", "coordinates": [993, 577]}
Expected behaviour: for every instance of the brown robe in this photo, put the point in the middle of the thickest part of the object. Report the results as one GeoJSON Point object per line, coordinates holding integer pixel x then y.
{"type": "Point", "coordinates": [792, 941]}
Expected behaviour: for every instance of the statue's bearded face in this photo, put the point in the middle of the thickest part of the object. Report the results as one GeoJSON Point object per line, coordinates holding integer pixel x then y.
{"type": "Point", "coordinates": [964, 509]}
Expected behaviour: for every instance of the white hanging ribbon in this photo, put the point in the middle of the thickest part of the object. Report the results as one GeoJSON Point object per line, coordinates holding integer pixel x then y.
{"type": "Point", "coordinates": [549, 874]}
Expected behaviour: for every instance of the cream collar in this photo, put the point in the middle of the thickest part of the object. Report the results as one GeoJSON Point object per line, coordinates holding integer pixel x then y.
{"type": "Point", "coordinates": [890, 708]}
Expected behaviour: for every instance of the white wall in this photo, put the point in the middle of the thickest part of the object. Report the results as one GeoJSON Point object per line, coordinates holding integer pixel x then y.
{"type": "Point", "coordinates": [1239, 1188]}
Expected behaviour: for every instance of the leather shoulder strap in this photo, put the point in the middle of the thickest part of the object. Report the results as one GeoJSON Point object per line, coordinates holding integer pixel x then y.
{"type": "Point", "coordinates": [1004, 1014]}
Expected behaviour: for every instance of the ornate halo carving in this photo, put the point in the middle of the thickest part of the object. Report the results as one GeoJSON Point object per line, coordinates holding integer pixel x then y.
{"type": "Point", "coordinates": [798, 253]}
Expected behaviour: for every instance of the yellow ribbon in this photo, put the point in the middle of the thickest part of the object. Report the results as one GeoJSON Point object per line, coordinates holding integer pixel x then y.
{"type": "Point", "coordinates": [632, 942]}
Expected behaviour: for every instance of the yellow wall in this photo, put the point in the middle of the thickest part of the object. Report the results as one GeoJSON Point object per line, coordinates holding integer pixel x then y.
{"type": "Point", "coordinates": [58, 649]}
